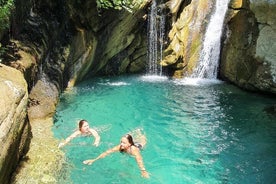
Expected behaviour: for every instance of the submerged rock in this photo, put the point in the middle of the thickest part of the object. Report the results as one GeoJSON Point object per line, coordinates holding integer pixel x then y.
{"type": "Point", "coordinates": [271, 110]}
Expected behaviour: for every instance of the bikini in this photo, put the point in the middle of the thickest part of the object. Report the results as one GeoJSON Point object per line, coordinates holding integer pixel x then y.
{"type": "Point", "coordinates": [138, 145]}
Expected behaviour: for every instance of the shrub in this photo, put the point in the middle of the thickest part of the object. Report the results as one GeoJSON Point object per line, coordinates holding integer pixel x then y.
{"type": "Point", "coordinates": [118, 4]}
{"type": "Point", "coordinates": [6, 6]}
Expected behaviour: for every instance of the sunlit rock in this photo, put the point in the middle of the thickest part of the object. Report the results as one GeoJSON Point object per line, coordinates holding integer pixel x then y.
{"type": "Point", "coordinates": [15, 132]}
{"type": "Point", "coordinates": [248, 55]}
{"type": "Point", "coordinates": [186, 37]}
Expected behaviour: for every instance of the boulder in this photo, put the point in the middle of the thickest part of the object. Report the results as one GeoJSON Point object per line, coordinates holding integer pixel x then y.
{"type": "Point", "coordinates": [15, 134]}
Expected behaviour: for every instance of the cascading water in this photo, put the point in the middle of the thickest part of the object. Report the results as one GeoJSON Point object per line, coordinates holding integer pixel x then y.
{"type": "Point", "coordinates": [156, 31]}
{"type": "Point", "coordinates": [209, 58]}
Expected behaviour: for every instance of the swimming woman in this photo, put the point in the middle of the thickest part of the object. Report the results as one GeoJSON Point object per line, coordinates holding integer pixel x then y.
{"type": "Point", "coordinates": [126, 146]}
{"type": "Point", "coordinates": [84, 130]}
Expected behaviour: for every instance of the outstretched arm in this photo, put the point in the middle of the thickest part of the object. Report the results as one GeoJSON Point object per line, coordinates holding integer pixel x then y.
{"type": "Point", "coordinates": [140, 163]}
{"type": "Point", "coordinates": [68, 139]}
{"type": "Point", "coordinates": [104, 154]}
{"type": "Point", "coordinates": [96, 135]}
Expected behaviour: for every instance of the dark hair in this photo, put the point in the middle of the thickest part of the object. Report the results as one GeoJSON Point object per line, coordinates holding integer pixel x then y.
{"type": "Point", "coordinates": [130, 140]}
{"type": "Point", "coordinates": [81, 122]}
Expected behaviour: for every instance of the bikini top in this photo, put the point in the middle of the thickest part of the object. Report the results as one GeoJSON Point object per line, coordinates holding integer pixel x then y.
{"type": "Point", "coordinates": [138, 145]}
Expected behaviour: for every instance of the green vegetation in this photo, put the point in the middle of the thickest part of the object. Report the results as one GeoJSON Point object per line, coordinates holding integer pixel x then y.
{"type": "Point", "coordinates": [6, 7]}
{"type": "Point", "coordinates": [118, 4]}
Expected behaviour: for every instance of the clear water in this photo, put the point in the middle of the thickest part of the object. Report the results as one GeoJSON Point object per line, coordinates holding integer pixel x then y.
{"type": "Point", "coordinates": [198, 131]}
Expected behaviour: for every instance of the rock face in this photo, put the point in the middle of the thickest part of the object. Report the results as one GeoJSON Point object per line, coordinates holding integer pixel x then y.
{"type": "Point", "coordinates": [15, 129]}
{"type": "Point", "coordinates": [249, 51]}
{"type": "Point", "coordinates": [186, 35]}
{"type": "Point", "coordinates": [109, 42]}
{"type": "Point", "coordinates": [73, 40]}
{"type": "Point", "coordinates": [57, 44]}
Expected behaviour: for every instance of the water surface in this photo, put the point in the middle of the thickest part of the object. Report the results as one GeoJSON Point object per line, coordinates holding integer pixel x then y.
{"type": "Point", "coordinates": [198, 131]}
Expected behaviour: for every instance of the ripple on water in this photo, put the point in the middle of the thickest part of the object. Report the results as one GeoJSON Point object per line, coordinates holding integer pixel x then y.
{"type": "Point", "coordinates": [201, 132]}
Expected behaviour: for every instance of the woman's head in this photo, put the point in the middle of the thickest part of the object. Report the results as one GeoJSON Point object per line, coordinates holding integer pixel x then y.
{"type": "Point", "coordinates": [126, 142]}
{"type": "Point", "coordinates": [84, 126]}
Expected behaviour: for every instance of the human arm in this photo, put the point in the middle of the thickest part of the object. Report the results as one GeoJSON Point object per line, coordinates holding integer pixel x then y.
{"type": "Point", "coordinates": [68, 139]}
{"type": "Point", "coordinates": [140, 163]}
{"type": "Point", "coordinates": [96, 136]}
{"type": "Point", "coordinates": [104, 154]}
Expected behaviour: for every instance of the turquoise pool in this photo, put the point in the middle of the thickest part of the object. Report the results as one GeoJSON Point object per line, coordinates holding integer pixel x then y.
{"type": "Point", "coordinates": [198, 131]}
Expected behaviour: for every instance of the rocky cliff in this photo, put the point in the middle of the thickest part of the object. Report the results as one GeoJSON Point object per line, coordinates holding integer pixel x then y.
{"type": "Point", "coordinates": [56, 44]}
{"type": "Point", "coordinates": [185, 37]}
{"type": "Point", "coordinates": [15, 134]}
{"type": "Point", "coordinates": [248, 53]}
{"type": "Point", "coordinates": [248, 49]}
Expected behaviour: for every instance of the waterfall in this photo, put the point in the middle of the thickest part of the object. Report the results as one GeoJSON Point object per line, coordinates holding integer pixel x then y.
{"type": "Point", "coordinates": [156, 31]}
{"type": "Point", "coordinates": [161, 35]}
{"type": "Point", "coordinates": [209, 57]}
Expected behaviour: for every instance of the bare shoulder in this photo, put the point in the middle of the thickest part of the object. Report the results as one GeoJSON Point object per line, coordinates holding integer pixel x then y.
{"type": "Point", "coordinates": [135, 150]}
{"type": "Point", "coordinates": [76, 133]}
{"type": "Point", "coordinates": [93, 131]}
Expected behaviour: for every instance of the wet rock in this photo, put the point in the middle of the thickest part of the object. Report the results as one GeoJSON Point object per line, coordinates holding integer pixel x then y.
{"type": "Point", "coordinates": [271, 110]}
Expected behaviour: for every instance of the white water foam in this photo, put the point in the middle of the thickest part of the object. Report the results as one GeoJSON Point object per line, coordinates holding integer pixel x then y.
{"type": "Point", "coordinates": [120, 83]}
{"type": "Point", "coordinates": [154, 78]}
{"type": "Point", "coordinates": [197, 82]}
